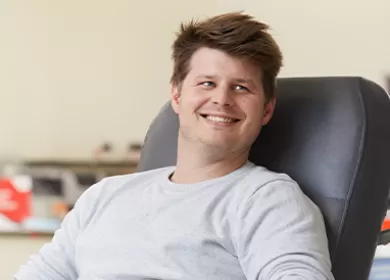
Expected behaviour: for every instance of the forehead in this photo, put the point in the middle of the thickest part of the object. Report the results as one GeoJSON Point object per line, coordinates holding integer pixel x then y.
{"type": "Point", "coordinates": [213, 62]}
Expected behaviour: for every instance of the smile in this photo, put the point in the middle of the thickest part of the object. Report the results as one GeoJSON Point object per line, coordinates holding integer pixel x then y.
{"type": "Point", "coordinates": [220, 119]}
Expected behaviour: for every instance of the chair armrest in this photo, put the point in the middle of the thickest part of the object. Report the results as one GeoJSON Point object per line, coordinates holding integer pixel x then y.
{"type": "Point", "coordinates": [384, 237]}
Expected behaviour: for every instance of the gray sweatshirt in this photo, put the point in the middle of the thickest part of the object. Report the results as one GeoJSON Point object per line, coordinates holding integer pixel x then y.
{"type": "Point", "coordinates": [249, 224]}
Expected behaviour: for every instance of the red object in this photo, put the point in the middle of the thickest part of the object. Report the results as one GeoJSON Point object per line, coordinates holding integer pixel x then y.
{"type": "Point", "coordinates": [386, 224]}
{"type": "Point", "coordinates": [14, 204]}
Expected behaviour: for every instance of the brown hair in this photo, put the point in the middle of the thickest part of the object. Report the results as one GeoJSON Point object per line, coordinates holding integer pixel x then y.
{"type": "Point", "coordinates": [238, 35]}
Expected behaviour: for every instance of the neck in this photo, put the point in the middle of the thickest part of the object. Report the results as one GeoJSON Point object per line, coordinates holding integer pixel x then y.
{"type": "Point", "coordinates": [194, 165]}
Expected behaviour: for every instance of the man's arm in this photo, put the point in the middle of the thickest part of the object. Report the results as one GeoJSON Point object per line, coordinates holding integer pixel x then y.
{"type": "Point", "coordinates": [282, 236]}
{"type": "Point", "coordinates": [55, 260]}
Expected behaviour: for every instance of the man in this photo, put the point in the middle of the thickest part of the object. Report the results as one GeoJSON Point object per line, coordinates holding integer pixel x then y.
{"type": "Point", "coordinates": [215, 215]}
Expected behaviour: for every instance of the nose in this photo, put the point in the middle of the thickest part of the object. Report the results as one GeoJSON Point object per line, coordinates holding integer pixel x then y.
{"type": "Point", "coordinates": [222, 96]}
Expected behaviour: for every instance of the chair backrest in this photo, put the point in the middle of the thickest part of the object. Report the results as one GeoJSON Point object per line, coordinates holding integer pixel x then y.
{"type": "Point", "coordinates": [330, 134]}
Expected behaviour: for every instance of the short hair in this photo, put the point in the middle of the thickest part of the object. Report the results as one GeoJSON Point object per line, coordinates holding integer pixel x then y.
{"type": "Point", "coordinates": [238, 35]}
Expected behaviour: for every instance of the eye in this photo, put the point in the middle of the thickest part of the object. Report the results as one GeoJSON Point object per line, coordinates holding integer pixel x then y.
{"type": "Point", "coordinates": [241, 88]}
{"type": "Point", "coordinates": [208, 84]}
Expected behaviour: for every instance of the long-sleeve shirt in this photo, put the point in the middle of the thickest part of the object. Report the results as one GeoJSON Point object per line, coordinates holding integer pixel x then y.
{"type": "Point", "coordinates": [249, 224]}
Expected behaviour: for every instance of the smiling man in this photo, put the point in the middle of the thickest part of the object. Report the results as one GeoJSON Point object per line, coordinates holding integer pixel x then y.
{"type": "Point", "coordinates": [214, 215]}
{"type": "Point", "coordinates": [221, 106]}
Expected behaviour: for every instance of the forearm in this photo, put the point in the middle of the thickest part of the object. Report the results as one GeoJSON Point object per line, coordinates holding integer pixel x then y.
{"type": "Point", "coordinates": [52, 262]}
{"type": "Point", "coordinates": [299, 266]}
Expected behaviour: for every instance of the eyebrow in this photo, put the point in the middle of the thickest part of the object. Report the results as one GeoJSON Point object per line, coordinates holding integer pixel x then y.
{"type": "Point", "coordinates": [205, 77]}
{"type": "Point", "coordinates": [245, 81]}
{"type": "Point", "coordinates": [238, 80]}
{"type": "Point", "coordinates": [248, 82]}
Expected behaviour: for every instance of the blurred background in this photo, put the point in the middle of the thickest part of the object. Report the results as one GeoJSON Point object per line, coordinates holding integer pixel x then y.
{"type": "Point", "coordinates": [80, 82]}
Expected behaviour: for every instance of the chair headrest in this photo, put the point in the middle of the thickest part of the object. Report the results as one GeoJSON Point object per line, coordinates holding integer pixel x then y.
{"type": "Point", "coordinates": [331, 135]}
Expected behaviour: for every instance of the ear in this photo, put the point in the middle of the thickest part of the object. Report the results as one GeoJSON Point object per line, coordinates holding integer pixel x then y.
{"type": "Point", "coordinates": [175, 97]}
{"type": "Point", "coordinates": [269, 110]}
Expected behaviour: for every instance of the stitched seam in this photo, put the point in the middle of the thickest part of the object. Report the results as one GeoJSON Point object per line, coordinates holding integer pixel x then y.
{"type": "Point", "coordinates": [362, 144]}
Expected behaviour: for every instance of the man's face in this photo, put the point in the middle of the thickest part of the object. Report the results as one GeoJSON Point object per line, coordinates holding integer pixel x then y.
{"type": "Point", "coordinates": [221, 102]}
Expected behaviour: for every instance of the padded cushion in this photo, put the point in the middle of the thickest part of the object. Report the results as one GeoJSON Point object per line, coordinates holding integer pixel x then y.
{"type": "Point", "coordinates": [331, 135]}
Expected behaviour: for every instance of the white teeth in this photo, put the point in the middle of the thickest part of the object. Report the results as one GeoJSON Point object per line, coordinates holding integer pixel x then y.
{"type": "Point", "coordinates": [219, 119]}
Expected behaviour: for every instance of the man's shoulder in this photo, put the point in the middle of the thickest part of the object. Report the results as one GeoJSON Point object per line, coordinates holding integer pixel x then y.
{"type": "Point", "coordinates": [264, 184]}
{"type": "Point", "coordinates": [261, 177]}
{"type": "Point", "coordinates": [265, 175]}
{"type": "Point", "coordinates": [275, 188]}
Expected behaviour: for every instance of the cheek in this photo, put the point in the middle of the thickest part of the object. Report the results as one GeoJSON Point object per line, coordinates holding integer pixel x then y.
{"type": "Point", "coordinates": [253, 109]}
{"type": "Point", "coordinates": [194, 101]}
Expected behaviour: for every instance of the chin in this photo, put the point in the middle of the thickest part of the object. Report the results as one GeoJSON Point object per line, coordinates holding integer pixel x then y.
{"type": "Point", "coordinates": [218, 143]}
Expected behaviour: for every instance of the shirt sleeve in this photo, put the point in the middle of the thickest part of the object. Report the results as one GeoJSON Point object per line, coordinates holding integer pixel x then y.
{"type": "Point", "coordinates": [56, 260]}
{"type": "Point", "coordinates": [281, 235]}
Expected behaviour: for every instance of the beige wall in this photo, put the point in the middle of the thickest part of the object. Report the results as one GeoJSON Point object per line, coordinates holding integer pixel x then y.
{"type": "Point", "coordinates": [76, 73]}
{"type": "Point", "coordinates": [349, 37]}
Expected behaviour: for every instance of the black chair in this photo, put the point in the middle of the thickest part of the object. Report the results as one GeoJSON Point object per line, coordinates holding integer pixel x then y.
{"type": "Point", "coordinates": [330, 134]}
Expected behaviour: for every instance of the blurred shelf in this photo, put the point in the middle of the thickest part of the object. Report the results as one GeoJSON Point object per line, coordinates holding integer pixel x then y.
{"type": "Point", "coordinates": [109, 167]}
{"type": "Point", "coordinates": [26, 234]}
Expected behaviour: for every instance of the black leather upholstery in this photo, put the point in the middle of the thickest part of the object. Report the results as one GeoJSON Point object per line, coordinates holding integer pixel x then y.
{"type": "Point", "coordinates": [330, 134]}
